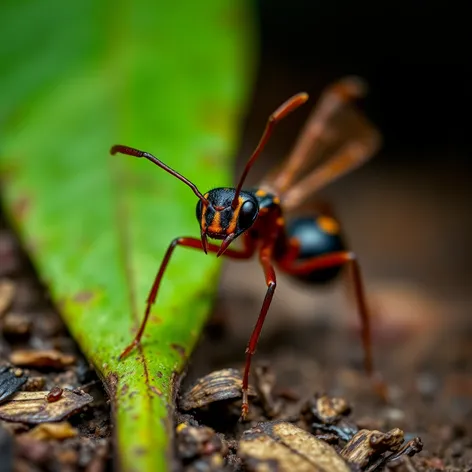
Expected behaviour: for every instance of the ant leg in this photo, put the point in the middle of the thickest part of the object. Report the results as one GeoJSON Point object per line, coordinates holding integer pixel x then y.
{"type": "Point", "coordinates": [246, 253]}
{"type": "Point", "coordinates": [337, 259]}
{"type": "Point", "coordinates": [265, 259]}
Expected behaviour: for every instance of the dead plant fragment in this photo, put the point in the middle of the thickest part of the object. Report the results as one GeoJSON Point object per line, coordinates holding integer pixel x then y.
{"type": "Point", "coordinates": [7, 293]}
{"type": "Point", "coordinates": [285, 447]}
{"type": "Point", "coordinates": [16, 325]}
{"type": "Point", "coordinates": [217, 386]}
{"type": "Point", "coordinates": [328, 409]}
{"type": "Point", "coordinates": [33, 407]}
{"type": "Point", "coordinates": [326, 414]}
{"type": "Point", "coordinates": [46, 431]}
{"type": "Point", "coordinates": [200, 448]}
{"type": "Point", "coordinates": [265, 381]}
{"type": "Point", "coordinates": [367, 445]}
{"type": "Point", "coordinates": [49, 358]}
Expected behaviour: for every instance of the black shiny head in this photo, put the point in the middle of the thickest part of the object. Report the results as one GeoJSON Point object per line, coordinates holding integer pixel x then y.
{"type": "Point", "coordinates": [219, 220]}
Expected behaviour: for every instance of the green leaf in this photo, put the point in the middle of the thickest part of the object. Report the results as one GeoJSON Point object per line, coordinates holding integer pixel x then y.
{"type": "Point", "coordinates": [77, 77]}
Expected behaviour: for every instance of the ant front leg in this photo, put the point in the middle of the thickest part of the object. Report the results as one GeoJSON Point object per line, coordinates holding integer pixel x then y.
{"type": "Point", "coordinates": [337, 259]}
{"type": "Point", "coordinates": [265, 259]}
{"type": "Point", "coordinates": [194, 243]}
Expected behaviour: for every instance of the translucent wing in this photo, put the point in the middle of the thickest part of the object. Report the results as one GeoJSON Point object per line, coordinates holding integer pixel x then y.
{"type": "Point", "coordinates": [336, 139]}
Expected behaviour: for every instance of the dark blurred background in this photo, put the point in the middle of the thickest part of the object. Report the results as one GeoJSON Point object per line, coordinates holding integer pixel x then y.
{"type": "Point", "coordinates": [415, 55]}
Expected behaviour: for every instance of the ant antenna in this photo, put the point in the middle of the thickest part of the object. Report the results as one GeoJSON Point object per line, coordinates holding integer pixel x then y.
{"type": "Point", "coordinates": [137, 153]}
{"type": "Point", "coordinates": [282, 111]}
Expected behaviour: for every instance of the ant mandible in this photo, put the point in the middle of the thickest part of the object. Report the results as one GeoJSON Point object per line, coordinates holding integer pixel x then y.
{"type": "Point", "coordinates": [337, 138]}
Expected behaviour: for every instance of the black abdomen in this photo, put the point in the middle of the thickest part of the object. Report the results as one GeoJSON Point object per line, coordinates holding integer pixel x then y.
{"type": "Point", "coordinates": [317, 236]}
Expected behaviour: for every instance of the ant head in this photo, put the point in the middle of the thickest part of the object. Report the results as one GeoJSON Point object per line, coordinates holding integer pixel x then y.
{"type": "Point", "coordinates": [222, 219]}
{"type": "Point", "coordinates": [225, 213]}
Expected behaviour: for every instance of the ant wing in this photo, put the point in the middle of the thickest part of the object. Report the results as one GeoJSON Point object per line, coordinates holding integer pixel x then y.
{"type": "Point", "coordinates": [350, 154]}
{"type": "Point", "coordinates": [336, 137]}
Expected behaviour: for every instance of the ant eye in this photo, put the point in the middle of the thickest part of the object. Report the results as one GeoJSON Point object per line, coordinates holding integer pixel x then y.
{"type": "Point", "coordinates": [199, 210]}
{"type": "Point", "coordinates": [247, 214]}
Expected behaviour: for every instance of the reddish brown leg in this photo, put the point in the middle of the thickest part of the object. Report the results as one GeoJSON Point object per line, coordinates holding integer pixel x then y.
{"type": "Point", "coordinates": [334, 260]}
{"type": "Point", "coordinates": [265, 259]}
{"type": "Point", "coordinates": [246, 253]}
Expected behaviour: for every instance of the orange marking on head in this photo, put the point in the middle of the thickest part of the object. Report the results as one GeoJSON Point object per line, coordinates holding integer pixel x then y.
{"type": "Point", "coordinates": [276, 200]}
{"type": "Point", "coordinates": [261, 193]}
{"type": "Point", "coordinates": [204, 210]}
{"type": "Point", "coordinates": [215, 226]}
{"type": "Point", "coordinates": [328, 225]}
{"type": "Point", "coordinates": [234, 219]}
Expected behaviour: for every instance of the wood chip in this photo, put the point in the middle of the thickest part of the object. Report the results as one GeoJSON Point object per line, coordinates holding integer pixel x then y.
{"type": "Point", "coordinates": [219, 385]}
{"type": "Point", "coordinates": [194, 442]}
{"type": "Point", "coordinates": [33, 407]}
{"type": "Point", "coordinates": [366, 445]}
{"type": "Point", "coordinates": [34, 384]}
{"type": "Point", "coordinates": [45, 431]}
{"type": "Point", "coordinates": [17, 324]}
{"type": "Point", "coordinates": [46, 358]}
{"type": "Point", "coordinates": [284, 447]}
{"type": "Point", "coordinates": [7, 292]}
{"type": "Point", "coordinates": [330, 409]}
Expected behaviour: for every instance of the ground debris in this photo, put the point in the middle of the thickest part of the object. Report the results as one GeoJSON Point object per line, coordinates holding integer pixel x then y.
{"type": "Point", "coordinates": [200, 448]}
{"type": "Point", "coordinates": [328, 409]}
{"type": "Point", "coordinates": [7, 293]}
{"type": "Point", "coordinates": [366, 446]}
{"type": "Point", "coordinates": [10, 382]}
{"type": "Point", "coordinates": [365, 449]}
{"type": "Point", "coordinates": [42, 358]}
{"type": "Point", "coordinates": [284, 447]}
{"type": "Point", "coordinates": [217, 386]}
{"type": "Point", "coordinates": [17, 325]}
{"type": "Point", "coordinates": [33, 407]}
{"type": "Point", "coordinates": [329, 415]}
{"type": "Point", "coordinates": [320, 436]}
{"type": "Point", "coordinates": [34, 451]}
{"type": "Point", "coordinates": [412, 447]}
{"type": "Point", "coordinates": [62, 430]}
{"type": "Point", "coordinates": [34, 384]}
{"type": "Point", "coordinates": [265, 381]}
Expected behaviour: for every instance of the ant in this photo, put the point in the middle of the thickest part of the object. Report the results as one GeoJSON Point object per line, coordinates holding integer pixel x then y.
{"type": "Point", "coordinates": [338, 138]}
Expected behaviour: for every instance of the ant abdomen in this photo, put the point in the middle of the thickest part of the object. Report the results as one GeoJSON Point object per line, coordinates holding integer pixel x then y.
{"type": "Point", "coordinates": [317, 236]}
